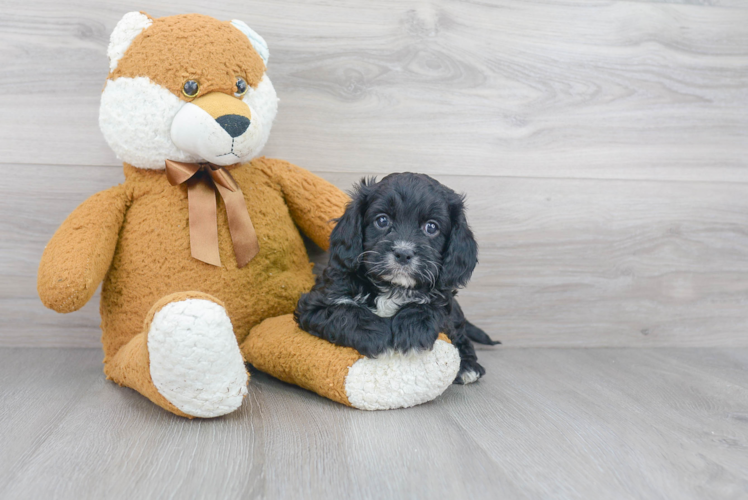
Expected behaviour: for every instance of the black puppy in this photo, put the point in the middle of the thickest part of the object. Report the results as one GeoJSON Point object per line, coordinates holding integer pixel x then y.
{"type": "Point", "coordinates": [397, 257]}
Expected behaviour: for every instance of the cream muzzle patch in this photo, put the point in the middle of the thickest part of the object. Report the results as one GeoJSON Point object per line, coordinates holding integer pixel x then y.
{"type": "Point", "coordinates": [223, 140]}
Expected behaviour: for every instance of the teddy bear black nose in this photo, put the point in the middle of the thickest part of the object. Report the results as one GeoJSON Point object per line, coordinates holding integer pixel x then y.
{"type": "Point", "coordinates": [234, 125]}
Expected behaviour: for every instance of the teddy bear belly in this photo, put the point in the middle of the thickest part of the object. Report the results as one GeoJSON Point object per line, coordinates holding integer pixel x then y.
{"type": "Point", "coordinates": [152, 261]}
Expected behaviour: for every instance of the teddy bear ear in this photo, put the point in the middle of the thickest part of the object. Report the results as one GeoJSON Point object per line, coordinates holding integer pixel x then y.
{"type": "Point", "coordinates": [129, 27]}
{"type": "Point", "coordinates": [257, 41]}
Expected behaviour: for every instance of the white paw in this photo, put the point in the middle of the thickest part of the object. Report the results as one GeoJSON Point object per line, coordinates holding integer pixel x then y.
{"type": "Point", "coordinates": [402, 380]}
{"type": "Point", "coordinates": [195, 359]}
{"type": "Point", "coordinates": [469, 377]}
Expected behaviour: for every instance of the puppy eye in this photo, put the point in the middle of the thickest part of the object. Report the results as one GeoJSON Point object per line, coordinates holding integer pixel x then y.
{"type": "Point", "coordinates": [241, 87]}
{"type": "Point", "coordinates": [382, 221]}
{"type": "Point", "coordinates": [190, 88]}
{"type": "Point", "coordinates": [431, 228]}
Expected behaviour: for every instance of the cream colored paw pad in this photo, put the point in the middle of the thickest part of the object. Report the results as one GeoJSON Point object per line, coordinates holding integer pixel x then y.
{"type": "Point", "coordinates": [195, 360]}
{"type": "Point", "coordinates": [400, 381]}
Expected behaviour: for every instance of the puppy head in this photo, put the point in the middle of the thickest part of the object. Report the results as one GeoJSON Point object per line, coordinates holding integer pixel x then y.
{"type": "Point", "coordinates": [406, 230]}
{"type": "Point", "coordinates": [186, 88]}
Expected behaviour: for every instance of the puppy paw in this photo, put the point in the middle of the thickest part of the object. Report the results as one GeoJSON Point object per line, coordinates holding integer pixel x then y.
{"type": "Point", "coordinates": [412, 336]}
{"type": "Point", "coordinates": [416, 327]}
{"type": "Point", "coordinates": [470, 371]}
{"type": "Point", "coordinates": [372, 344]}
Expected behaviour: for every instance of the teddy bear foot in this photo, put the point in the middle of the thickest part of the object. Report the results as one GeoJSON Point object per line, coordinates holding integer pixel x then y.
{"type": "Point", "coordinates": [277, 346]}
{"type": "Point", "coordinates": [398, 380]}
{"type": "Point", "coordinates": [195, 362]}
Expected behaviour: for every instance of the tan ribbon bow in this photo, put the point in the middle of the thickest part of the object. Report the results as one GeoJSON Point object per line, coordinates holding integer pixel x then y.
{"type": "Point", "coordinates": [201, 178]}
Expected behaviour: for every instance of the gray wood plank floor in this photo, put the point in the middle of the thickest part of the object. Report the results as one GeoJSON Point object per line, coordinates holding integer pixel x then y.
{"type": "Point", "coordinates": [544, 423]}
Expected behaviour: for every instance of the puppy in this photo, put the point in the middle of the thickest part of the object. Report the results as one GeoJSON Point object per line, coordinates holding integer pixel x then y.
{"type": "Point", "coordinates": [397, 257]}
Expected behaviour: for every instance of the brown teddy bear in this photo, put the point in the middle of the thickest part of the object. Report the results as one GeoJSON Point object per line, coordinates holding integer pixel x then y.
{"type": "Point", "coordinates": [200, 244]}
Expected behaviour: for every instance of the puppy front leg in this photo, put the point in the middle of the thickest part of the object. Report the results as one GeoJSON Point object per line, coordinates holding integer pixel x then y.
{"type": "Point", "coordinates": [348, 325]}
{"type": "Point", "coordinates": [357, 327]}
{"type": "Point", "coordinates": [416, 327]}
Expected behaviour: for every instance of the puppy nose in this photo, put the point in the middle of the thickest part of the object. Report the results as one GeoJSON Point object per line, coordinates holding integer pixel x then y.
{"type": "Point", "coordinates": [403, 255]}
{"type": "Point", "coordinates": [234, 125]}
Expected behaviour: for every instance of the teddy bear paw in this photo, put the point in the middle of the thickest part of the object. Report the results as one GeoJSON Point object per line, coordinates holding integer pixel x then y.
{"type": "Point", "coordinates": [195, 361]}
{"type": "Point", "coordinates": [397, 380]}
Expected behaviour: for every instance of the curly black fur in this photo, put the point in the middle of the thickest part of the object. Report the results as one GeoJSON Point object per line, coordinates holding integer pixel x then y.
{"type": "Point", "coordinates": [397, 257]}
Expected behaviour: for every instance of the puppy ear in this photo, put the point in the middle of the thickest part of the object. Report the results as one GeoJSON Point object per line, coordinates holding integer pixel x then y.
{"type": "Point", "coordinates": [347, 237]}
{"type": "Point", "coordinates": [461, 251]}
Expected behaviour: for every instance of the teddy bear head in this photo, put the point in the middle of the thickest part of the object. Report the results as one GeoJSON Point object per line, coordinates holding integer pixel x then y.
{"type": "Point", "coordinates": [187, 88]}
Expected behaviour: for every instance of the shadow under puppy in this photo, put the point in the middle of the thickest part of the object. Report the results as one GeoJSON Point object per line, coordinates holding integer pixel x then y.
{"type": "Point", "coordinates": [397, 257]}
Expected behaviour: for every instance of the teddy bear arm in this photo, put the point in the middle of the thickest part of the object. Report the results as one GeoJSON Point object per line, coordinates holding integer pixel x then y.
{"type": "Point", "coordinates": [312, 201]}
{"type": "Point", "coordinates": [80, 252]}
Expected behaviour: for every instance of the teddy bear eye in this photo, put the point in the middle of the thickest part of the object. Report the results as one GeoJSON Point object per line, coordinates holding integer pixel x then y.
{"type": "Point", "coordinates": [241, 87]}
{"type": "Point", "coordinates": [190, 88]}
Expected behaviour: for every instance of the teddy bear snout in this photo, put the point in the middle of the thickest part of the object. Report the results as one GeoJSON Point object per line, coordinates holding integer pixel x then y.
{"type": "Point", "coordinates": [234, 125]}
{"type": "Point", "coordinates": [217, 128]}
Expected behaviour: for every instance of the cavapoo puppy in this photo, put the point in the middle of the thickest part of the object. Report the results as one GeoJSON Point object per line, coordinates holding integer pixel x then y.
{"type": "Point", "coordinates": [397, 257]}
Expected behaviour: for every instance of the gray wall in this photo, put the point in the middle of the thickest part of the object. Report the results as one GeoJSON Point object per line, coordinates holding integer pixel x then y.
{"type": "Point", "coordinates": [603, 147]}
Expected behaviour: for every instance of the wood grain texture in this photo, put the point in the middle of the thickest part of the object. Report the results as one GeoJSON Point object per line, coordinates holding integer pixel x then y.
{"type": "Point", "coordinates": [544, 423]}
{"type": "Point", "coordinates": [603, 146]}
{"type": "Point", "coordinates": [563, 262]}
{"type": "Point", "coordinates": [598, 89]}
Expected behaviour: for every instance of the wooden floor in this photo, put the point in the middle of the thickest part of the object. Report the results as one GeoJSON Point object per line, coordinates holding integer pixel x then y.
{"type": "Point", "coordinates": [544, 423]}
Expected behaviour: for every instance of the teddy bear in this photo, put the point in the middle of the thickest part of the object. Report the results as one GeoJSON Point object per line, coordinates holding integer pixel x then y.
{"type": "Point", "coordinates": [199, 251]}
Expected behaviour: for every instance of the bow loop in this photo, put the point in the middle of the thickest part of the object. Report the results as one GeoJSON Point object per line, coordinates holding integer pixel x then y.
{"type": "Point", "coordinates": [203, 211]}
{"type": "Point", "coordinates": [222, 177]}
{"type": "Point", "coordinates": [178, 172]}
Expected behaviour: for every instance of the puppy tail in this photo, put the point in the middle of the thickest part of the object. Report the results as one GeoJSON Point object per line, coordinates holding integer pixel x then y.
{"type": "Point", "coordinates": [477, 335]}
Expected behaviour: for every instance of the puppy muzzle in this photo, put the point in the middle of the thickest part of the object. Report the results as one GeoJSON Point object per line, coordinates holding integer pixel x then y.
{"type": "Point", "coordinates": [400, 268]}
